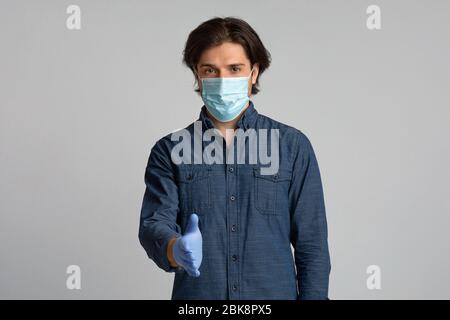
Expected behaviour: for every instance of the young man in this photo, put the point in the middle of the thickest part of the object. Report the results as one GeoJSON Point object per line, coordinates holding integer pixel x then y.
{"type": "Point", "coordinates": [223, 222]}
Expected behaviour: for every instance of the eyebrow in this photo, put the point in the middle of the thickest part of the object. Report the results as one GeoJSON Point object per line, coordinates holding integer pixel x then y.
{"type": "Point", "coordinates": [214, 66]}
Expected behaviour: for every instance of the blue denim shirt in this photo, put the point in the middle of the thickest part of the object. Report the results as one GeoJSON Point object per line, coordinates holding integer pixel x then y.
{"type": "Point", "coordinates": [248, 220]}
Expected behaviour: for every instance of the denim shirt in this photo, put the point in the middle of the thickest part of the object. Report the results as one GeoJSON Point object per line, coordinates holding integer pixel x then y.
{"type": "Point", "coordinates": [248, 220]}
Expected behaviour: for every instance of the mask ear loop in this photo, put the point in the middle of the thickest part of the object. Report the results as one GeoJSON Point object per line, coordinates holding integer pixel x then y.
{"type": "Point", "coordinates": [249, 77]}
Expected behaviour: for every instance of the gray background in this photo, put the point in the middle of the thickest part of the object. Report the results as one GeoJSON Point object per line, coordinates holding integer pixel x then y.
{"type": "Point", "coordinates": [80, 111]}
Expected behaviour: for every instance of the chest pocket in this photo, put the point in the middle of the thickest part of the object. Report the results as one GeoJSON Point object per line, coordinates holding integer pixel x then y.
{"type": "Point", "coordinates": [194, 190]}
{"type": "Point", "coordinates": [271, 191]}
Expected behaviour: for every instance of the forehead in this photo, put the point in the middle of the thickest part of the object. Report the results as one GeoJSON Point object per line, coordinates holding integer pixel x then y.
{"type": "Point", "coordinates": [224, 54]}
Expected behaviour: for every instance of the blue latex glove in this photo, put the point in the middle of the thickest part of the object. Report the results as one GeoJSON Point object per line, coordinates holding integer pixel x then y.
{"type": "Point", "coordinates": [187, 250]}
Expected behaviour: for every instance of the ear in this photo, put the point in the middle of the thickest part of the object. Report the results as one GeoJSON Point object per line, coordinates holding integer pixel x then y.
{"type": "Point", "coordinates": [197, 80]}
{"type": "Point", "coordinates": [255, 73]}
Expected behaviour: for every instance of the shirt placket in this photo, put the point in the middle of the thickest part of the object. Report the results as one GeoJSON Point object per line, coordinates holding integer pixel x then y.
{"type": "Point", "coordinates": [232, 225]}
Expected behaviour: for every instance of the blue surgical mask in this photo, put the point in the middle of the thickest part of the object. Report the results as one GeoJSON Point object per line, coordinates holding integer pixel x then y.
{"type": "Point", "coordinates": [225, 98]}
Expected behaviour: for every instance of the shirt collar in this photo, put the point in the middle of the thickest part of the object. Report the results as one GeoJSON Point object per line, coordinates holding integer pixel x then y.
{"type": "Point", "coordinates": [246, 121]}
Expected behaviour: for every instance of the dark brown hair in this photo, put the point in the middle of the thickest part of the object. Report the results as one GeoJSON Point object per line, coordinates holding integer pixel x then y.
{"type": "Point", "coordinates": [216, 31]}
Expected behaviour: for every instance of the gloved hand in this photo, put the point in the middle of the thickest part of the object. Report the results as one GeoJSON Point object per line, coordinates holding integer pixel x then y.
{"type": "Point", "coordinates": [187, 250]}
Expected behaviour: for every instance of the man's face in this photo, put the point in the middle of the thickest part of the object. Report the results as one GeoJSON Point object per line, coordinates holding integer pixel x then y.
{"type": "Point", "coordinates": [226, 60]}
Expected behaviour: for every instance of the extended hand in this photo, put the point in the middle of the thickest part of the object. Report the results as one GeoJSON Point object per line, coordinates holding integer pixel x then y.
{"type": "Point", "coordinates": [187, 250]}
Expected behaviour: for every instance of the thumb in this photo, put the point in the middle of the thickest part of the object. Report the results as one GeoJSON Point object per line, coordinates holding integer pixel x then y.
{"type": "Point", "coordinates": [192, 224]}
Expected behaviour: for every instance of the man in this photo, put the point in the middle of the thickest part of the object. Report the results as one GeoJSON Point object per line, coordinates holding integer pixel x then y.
{"type": "Point", "coordinates": [225, 227]}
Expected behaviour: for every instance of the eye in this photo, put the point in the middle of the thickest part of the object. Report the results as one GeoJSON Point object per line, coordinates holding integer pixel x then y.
{"type": "Point", "coordinates": [209, 71]}
{"type": "Point", "coordinates": [235, 69]}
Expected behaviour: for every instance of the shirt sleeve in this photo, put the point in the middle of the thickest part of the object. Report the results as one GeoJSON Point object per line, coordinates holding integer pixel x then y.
{"type": "Point", "coordinates": [309, 224]}
{"type": "Point", "coordinates": [158, 219]}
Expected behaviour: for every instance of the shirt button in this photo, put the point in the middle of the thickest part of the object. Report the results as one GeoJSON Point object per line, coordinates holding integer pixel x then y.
{"type": "Point", "coordinates": [232, 198]}
{"type": "Point", "coordinates": [234, 287]}
{"type": "Point", "coordinates": [233, 228]}
{"type": "Point", "coordinates": [234, 257]}
{"type": "Point", "coordinates": [231, 169]}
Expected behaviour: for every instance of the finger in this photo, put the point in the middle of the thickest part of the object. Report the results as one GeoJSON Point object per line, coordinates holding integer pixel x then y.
{"type": "Point", "coordinates": [187, 262]}
{"type": "Point", "coordinates": [190, 255]}
{"type": "Point", "coordinates": [190, 271]}
{"type": "Point", "coordinates": [186, 246]}
{"type": "Point", "coordinates": [193, 272]}
{"type": "Point", "coordinates": [192, 223]}
{"type": "Point", "coordinates": [186, 250]}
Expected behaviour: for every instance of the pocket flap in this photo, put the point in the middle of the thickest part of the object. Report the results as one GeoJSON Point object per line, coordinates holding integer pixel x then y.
{"type": "Point", "coordinates": [191, 175]}
{"type": "Point", "coordinates": [281, 175]}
